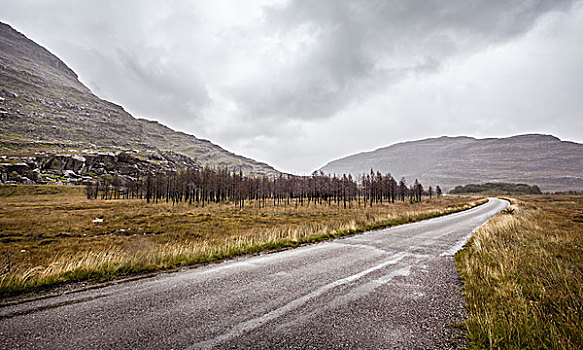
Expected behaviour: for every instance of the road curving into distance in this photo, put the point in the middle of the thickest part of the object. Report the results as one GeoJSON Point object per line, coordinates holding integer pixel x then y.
{"type": "Point", "coordinates": [387, 289]}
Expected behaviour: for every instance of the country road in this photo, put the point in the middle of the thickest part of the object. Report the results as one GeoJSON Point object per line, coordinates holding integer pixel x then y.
{"type": "Point", "coordinates": [389, 289]}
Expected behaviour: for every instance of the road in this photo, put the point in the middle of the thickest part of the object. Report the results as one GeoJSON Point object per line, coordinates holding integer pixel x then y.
{"type": "Point", "coordinates": [389, 289]}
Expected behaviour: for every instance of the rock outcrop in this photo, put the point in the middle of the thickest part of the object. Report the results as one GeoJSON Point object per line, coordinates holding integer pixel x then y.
{"type": "Point", "coordinates": [83, 168]}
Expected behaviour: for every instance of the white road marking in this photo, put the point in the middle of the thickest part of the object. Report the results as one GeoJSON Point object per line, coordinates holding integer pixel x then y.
{"type": "Point", "coordinates": [252, 324]}
{"type": "Point", "coordinates": [355, 294]}
{"type": "Point", "coordinates": [365, 246]}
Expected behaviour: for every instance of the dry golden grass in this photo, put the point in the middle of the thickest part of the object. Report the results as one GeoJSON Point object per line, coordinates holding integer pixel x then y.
{"type": "Point", "coordinates": [51, 237]}
{"type": "Point", "coordinates": [523, 276]}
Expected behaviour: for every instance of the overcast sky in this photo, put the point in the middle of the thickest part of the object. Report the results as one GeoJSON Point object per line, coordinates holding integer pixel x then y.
{"type": "Point", "coordinates": [297, 83]}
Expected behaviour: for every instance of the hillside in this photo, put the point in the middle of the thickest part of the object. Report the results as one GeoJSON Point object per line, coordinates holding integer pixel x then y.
{"type": "Point", "coordinates": [44, 108]}
{"type": "Point", "coordinates": [535, 159]}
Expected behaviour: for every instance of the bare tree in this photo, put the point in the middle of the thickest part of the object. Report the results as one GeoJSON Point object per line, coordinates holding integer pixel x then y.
{"type": "Point", "coordinates": [200, 186]}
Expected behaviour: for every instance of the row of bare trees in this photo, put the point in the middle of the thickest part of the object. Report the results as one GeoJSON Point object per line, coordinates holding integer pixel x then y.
{"type": "Point", "coordinates": [206, 185]}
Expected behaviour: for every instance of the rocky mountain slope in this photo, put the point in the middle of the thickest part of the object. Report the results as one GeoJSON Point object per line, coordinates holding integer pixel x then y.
{"type": "Point", "coordinates": [86, 167]}
{"type": "Point", "coordinates": [542, 160]}
{"type": "Point", "coordinates": [45, 109]}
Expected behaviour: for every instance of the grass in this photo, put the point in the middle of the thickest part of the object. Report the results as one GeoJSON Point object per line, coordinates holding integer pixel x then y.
{"type": "Point", "coordinates": [523, 276]}
{"type": "Point", "coordinates": [51, 237]}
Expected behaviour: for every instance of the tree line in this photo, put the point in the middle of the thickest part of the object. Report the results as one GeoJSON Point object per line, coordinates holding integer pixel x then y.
{"type": "Point", "coordinates": [205, 185]}
{"type": "Point", "coordinates": [497, 187]}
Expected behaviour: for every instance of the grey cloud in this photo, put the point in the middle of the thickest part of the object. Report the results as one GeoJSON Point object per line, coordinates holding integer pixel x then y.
{"type": "Point", "coordinates": [363, 45]}
{"type": "Point", "coordinates": [157, 60]}
{"type": "Point", "coordinates": [164, 89]}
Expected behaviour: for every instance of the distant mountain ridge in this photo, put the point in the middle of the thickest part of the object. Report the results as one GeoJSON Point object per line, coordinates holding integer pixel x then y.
{"type": "Point", "coordinates": [44, 107]}
{"type": "Point", "coordinates": [535, 159]}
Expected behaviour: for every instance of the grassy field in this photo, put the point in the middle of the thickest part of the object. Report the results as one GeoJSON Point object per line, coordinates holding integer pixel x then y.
{"type": "Point", "coordinates": [523, 276]}
{"type": "Point", "coordinates": [51, 237]}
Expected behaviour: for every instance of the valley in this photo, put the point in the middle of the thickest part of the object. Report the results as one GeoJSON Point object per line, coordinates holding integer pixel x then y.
{"type": "Point", "coordinates": [120, 232]}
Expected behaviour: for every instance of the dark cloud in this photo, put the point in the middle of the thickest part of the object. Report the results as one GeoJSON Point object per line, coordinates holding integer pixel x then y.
{"type": "Point", "coordinates": [363, 45]}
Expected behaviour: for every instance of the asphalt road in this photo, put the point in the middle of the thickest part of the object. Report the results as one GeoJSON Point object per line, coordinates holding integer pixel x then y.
{"type": "Point", "coordinates": [389, 289]}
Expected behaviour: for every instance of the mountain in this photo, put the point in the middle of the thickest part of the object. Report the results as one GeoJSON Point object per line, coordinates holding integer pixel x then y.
{"type": "Point", "coordinates": [535, 159]}
{"type": "Point", "coordinates": [44, 108]}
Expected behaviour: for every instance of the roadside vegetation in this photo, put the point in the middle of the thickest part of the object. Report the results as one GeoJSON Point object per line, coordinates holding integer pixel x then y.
{"type": "Point", "coordinates": [54, 234]}
{"type": "Point", "coordinates": [523, 276]}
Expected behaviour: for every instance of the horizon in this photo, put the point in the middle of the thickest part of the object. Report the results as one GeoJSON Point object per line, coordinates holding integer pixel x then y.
{"type": "Point", "coordinates": [288, 123]}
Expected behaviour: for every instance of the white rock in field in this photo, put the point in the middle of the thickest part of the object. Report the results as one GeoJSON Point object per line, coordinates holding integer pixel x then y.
{"type": "Point", "coordinates": [97, 220]}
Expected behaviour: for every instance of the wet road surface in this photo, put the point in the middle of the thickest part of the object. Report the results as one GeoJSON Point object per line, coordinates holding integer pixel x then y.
{"type": "Point", "coordinates": [389, 289]}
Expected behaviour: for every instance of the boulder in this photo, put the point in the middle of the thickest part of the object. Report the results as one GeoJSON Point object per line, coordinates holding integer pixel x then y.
{"type": "Point", "coordinates": [75, 163]}
{"type": "Point", "coordinates": [20, 168]}
{"type": "Point", "coordinates": [26, 181]}
{"type": "Point", "coordinates": [52, 163]}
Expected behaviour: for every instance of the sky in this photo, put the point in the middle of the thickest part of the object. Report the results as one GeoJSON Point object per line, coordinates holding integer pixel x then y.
{"type": "Point", "coordinates": [298, 83]}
